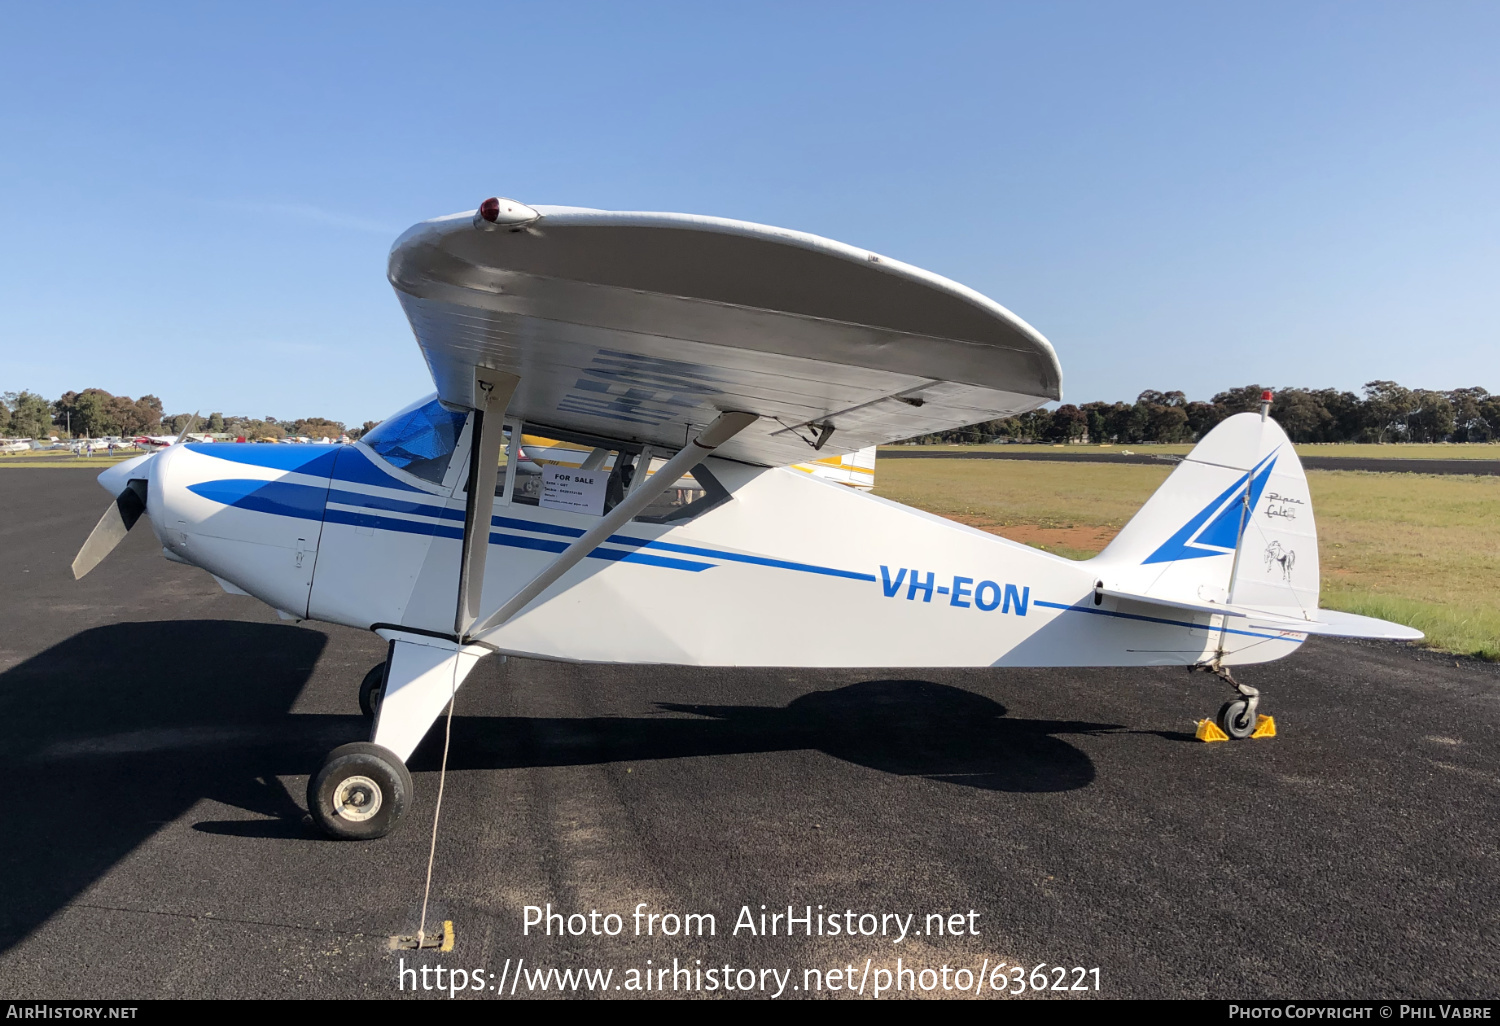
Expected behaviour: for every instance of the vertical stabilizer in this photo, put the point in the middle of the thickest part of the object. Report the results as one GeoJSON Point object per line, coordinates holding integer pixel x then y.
{"type": "Point", "coordinates": [1241, 487]}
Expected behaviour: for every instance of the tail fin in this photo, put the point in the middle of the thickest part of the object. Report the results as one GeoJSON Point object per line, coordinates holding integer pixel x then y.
{"type": "Point", "coordinates": [1241, 489]}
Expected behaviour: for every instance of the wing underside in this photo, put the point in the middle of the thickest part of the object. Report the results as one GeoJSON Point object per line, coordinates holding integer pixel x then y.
{"type": "Point", "coordinates": [644, 326]}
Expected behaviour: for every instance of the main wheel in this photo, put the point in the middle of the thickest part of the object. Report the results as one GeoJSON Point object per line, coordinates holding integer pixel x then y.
{"type": "Point", "coordinates": [360, 792]}
{"type": "Point", "coordinates": [372, 690]}
{"type": "Point", "coordinates": [1235, 719]}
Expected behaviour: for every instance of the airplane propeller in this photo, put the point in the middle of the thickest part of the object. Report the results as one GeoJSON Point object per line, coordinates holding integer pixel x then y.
{"type": "Point", "coordinates": [129, 481]}
{"type": "Point", "coordinates": [116, 522]}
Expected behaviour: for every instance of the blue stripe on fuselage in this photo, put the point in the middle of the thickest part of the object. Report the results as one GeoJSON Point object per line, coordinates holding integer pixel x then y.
{"type": "Point", "coordinates": [357, 468]}
{"type": "Point", "coordinates": [305, 502]}
{"type": "Point", "coordinates": [515, 541]}
{"type": "Point", "coordinates": [339, 462]}
{"type": "Point", "coordinates": [387, 504]}
{"type": "Point", "coordinates": [283, 499]}
{"type": "Point", "coordinates": [537, 527]}
{"type": "Point", "coordinates": [317, 460]}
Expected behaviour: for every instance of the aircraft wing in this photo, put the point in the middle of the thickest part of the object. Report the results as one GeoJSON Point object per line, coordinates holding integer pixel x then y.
{"type": "Point", "coordinates": [643, 326]}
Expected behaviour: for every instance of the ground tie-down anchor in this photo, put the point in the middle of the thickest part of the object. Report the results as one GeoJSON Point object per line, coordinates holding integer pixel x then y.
{"type": "Point", "coordinates": [1238, 717]}
{"type": "Point", "coordinates": [436, 942]}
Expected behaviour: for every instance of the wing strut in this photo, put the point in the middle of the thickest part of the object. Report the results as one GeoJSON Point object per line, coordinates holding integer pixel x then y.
{"type": "Point", "coordinates": [724, 427]}
{"type": "Point", "coordinates": [493, 389]}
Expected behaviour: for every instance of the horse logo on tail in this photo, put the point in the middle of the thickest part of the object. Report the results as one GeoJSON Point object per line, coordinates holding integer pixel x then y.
{"type": "Point", "coordinates": [1286, 557]}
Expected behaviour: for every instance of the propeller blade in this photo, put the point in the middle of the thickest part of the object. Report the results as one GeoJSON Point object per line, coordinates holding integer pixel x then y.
{"type": "Point", "coordinates": [191, 421]}
{"type": "Point", "coordinates": [116, 522]}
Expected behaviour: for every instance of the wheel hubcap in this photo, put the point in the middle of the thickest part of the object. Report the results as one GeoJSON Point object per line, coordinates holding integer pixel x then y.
{"type": "Point", "coordinates": [357, 799]}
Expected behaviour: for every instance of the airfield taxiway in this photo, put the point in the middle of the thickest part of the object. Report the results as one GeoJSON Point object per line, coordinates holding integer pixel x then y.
{"type": "Point", "coordinates": [158, 732]}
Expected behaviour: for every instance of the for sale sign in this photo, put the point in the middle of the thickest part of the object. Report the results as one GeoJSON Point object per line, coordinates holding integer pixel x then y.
{"type": "Point", "coordinates": [581, 491]}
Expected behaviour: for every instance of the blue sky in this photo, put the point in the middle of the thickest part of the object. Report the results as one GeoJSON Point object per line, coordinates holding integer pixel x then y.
{"type": "Point", "coordinates": [199, 199]}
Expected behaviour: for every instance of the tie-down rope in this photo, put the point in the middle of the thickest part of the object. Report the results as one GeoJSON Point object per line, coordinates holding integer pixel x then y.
{"type": "Point", "coordinates": [438, 808]}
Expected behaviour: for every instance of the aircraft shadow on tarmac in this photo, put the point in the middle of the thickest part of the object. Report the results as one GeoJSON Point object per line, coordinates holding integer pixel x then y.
{"type": "Point", "coordinates": [122, 729]}
{"type": "Point", "coordinates": [904, 727]}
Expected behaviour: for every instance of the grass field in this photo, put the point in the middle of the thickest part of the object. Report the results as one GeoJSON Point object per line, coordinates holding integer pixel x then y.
{"type": "Point", "coordinates": [1419, 549]}
{"type": "Point", "coordinates": [1487, 451]}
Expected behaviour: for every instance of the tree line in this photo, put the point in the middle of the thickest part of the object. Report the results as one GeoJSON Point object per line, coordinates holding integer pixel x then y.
{"type": "Point", "coordinates": [1384, 412]}
{"type": "Point", "coordinates": [95, 413]}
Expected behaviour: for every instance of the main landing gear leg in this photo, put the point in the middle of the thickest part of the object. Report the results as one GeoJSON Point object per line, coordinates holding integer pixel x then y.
{"type": "Point", "coordinates": [362, 789]}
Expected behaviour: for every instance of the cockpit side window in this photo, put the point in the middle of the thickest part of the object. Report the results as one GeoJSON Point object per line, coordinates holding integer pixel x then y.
{"type": "Point", "coordinates": [540, 455]}
{"type": "Point", "coordinates": [692, 495]}
{"type": "Point", "coordinates": [419, 440]}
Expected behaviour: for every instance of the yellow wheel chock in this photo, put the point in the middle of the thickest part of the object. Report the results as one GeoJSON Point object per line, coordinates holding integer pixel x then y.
{"type": "Point", "coordinates": [1208, 730]}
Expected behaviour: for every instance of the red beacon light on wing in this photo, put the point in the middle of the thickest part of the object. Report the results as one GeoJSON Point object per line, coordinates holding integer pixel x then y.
{"type": "Point", "coordinates": [498, 212]}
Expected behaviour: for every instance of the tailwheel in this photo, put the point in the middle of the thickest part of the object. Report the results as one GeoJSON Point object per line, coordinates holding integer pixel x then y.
{"type": "Point", "coordinates": [1239, 717]}
{"type": "Point", "coordinates": [360, 793]}
{"type": "Point", "coordinates": [1236, 719]}
{"type": "Point", "coordinates": [372, 690]}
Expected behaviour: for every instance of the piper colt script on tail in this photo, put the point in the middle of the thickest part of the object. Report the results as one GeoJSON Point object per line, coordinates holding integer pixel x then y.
{"type": "Point", "coordinates": [649, 430]}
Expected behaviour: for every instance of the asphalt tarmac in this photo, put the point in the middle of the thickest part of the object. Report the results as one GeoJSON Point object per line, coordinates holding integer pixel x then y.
{"type": "Point", "coordinates": [1481, 468]}
{"type": "Point", "coordinates": [158, 734]}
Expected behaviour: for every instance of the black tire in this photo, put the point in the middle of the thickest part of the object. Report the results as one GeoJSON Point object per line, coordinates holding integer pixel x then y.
{"type": "Point", "coordinates": [360, 793]}
{"type": "Point", "coordinates": [372, 690]}
{"type": "Point", "coordinates": [1234, 719]}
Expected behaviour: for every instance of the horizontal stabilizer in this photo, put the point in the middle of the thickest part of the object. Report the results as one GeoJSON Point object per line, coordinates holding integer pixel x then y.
{"type": "Point", "coordinates": [1183, 605]}
{"type": "Point", "coordinates": [1326, 622]}
{"type": "Point", "coordinates": [1331, 623]}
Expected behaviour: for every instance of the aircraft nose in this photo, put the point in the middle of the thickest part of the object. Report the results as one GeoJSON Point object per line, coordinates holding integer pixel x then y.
{"type": "Point", "coordinates": [114, 479]}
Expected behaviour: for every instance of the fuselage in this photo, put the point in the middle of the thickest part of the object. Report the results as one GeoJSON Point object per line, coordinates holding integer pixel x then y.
{"type": "Point", "coordinates": [789, 570]}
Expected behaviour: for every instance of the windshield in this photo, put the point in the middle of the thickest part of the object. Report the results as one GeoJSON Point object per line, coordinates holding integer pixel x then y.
{"type": "Point", "coordinates": [420, 439]}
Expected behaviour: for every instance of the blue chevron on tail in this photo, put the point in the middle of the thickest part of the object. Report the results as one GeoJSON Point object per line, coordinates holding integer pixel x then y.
{"type": "Point", "coordinates": [1216, 529]}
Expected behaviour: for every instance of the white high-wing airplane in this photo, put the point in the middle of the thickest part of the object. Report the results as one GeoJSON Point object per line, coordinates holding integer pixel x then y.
{"type": "Point", "coordinates": [676, 369]}
{"type": "Point", "coordinates": [157, 442]}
